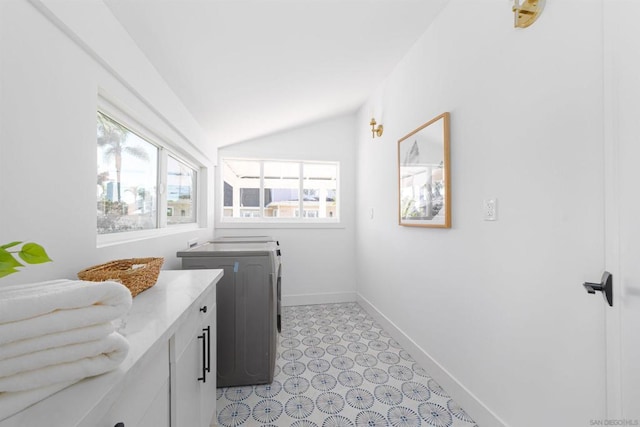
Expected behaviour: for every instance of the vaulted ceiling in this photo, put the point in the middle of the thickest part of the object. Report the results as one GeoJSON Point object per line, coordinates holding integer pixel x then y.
{"type": "Point", "coordinates": [248, 68]}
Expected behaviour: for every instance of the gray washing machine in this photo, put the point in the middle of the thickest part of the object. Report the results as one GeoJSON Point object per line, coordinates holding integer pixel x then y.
{"type": "Point", "coordinates": [262, 239]}
{"type": "Point", "coordinates": [247, 308]}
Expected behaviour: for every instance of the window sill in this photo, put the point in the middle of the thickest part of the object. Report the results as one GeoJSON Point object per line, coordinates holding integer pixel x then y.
{"type": "Point", "coordinates": [280, 224]}
{"type": "Point", "coordinates": [113, 239]}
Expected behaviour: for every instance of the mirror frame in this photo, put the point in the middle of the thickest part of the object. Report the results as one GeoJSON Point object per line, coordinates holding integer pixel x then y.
{"type": "Point", "coordinates": [404, 147]}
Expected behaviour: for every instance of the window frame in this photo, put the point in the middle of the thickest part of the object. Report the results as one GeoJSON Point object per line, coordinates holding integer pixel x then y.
{"type": "Point", "coordinates": [262, 221]}
{"type": "Point", "coordinates": [165, 149]}
{"type": "Point", "coordinates": [194, 192]}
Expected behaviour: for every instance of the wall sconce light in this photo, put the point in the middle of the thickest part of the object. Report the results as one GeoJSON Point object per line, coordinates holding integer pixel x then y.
{"type": "Point", "coordinates": [375, 130]}
{"type": "Point", "coordinates": [527, 12]}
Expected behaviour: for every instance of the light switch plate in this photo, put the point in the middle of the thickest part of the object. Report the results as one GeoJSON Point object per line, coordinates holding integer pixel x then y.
{"type": "Point", "coordinates": [490, 209]}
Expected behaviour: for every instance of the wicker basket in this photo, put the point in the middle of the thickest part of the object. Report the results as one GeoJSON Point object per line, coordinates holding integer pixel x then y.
{"type": "Point", "coordinates": [137, 274]}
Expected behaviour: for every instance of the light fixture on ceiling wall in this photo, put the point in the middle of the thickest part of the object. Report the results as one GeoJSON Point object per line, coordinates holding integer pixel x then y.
{"type": "Point", "coordinates": [375, 131]}
{"type": "Point", "coordinates": [527, 12]}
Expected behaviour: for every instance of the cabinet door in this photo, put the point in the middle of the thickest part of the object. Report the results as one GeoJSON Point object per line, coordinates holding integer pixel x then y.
{"type": "Point", "coordinates": [158, 413]}
{"type": "Point", "coordinates": [187, 386]}
{"type": "Point", "coordinates": [208, 388]}
{"type": "Point", "coordinates": [141, 391]}
{"type": "Point", "coordinates": [194, 385]}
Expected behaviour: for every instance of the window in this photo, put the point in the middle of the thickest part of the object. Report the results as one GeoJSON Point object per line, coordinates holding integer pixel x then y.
{"type": "Point", "coordinates": [319, 190]}
{"type": "Point", "coordinates": [181, 184]}
{"type": "Point", "coordinates": [281, 189]}
{"type": "Point", "coordinates": [278, 190]}
{"type": "Point", "coordinates": [128, 182]}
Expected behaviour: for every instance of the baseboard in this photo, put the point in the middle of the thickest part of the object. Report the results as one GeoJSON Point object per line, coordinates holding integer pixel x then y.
{"type": "Point", "coordinates": [482, 415]}
{"type": "Point", "coordinates": [310, 299]}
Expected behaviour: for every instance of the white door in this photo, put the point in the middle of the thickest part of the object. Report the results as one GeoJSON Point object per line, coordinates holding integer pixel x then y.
{"type": "Point", "coordinates": [622, 154]}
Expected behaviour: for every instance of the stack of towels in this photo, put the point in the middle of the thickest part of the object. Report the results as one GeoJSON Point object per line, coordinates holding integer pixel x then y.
{"type": "Point", "coordinates": [54, 334]}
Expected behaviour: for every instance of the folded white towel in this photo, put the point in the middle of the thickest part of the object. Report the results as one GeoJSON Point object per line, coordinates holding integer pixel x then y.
{"type": "Point", "coordinates": [114, 346]}
{"type": "Point", "coordinates": [38, 309]}
{"type": "Point", "coordinates": [59, 339]}
{"type": "Point", "coordinates": [109, 353]}
{"type": "Point", "coordinates": [54, 334]}
{"type": "Point", "coordinates": [25, 388]}
{"type": "Point", "coordinates": [19, 302]}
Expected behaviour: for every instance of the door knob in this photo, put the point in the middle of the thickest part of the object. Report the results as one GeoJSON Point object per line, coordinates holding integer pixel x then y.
{"type": "Point", "coordinates": [605, 286]}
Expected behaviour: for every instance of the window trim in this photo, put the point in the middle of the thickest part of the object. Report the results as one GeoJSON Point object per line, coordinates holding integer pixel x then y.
{"type": "Point", "coordinates": [111, 239]}
{"type": "Point", "coordinates": [270, 222]}
{"type": "Point", "coordinates": [165, 149]}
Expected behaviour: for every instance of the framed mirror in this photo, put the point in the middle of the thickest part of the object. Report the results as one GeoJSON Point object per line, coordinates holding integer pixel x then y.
{"type": "Point", "coordinates": [424, 175]}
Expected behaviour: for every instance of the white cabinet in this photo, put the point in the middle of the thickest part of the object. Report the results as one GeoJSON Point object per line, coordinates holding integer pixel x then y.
{"type": "Point", "coordinates": [193, 366]}
{"type": "Point", "coordinates": [157, 414]}
{"type": "Point", "coordinates": [176, 386]}
{"type": "Point", "coordinates": [157, 384]}
{"type": "Point", "coordinates": [186, 396]}
{"type": "Point", "coordinates": [208, 388]}
{"type": "Point", "coordinates": [144, 399]}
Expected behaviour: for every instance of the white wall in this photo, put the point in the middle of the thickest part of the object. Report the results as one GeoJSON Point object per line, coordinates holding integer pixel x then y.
{"type": "Point", "coordinates": [49, 87]}
{"type": "Point", "coordinates": [622, 108]}
{"type": "Point", "coordinates": [497, 306]}
{"type": "Point", "coordinates": [487, 301]}
{"type": "Point", "coordinates": [318, 262]}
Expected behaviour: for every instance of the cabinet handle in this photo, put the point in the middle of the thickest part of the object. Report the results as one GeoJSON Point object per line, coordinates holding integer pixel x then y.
{"type": "Point", "coordinates": [203, 378]}
{"type": "Point", "coordinates": [208, 331]}
{"type": "Point", "coordinates": [119, 425]}
{"type": "Point", "coordinates": [203, 309]}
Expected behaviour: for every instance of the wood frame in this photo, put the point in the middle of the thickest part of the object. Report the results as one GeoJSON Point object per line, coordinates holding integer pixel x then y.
{"type": "Point", "coordinates": [424, 175]}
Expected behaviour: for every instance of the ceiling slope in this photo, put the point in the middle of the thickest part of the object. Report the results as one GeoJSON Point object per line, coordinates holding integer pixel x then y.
{"type": "Point", "coordinates": [248, 68]}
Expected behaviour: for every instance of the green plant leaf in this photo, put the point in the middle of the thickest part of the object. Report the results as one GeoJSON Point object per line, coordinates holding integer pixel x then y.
{"type": "Point", "coordinates": [33, 253]}
{"type": "Point", "coordinates": [7, 260]}
{"type": "Point", "coordinates": [6, 270]}
{"type": "Point", "coordinates": [8, 263]}
{"type": "Point", "coordinates": [10, 245]}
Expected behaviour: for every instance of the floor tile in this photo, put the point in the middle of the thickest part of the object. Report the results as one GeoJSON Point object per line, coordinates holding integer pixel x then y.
{"type": "Point", "coordinates": [337, 367]}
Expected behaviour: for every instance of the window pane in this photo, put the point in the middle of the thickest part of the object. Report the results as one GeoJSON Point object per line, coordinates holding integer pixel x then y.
{"type": "Point", "coordinates": [127, 179]}
{"type": "Point", "coordinates": [320, 189]}
{"type": "Point", "coordinates": [275, 186]}
{"type": "Point", "coordinates": [241, 188]}
{"type": "Point", "coordinates": [281, 189]}
{"type": "Point", "coordinates": [181, 190]}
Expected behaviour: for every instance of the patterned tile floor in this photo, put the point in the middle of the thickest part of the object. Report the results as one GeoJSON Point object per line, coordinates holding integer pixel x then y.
{"type": "Point", "coordinates": [337, 367]}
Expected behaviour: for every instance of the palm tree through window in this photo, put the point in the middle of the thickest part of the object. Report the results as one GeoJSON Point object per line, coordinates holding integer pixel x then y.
{"type": "Point", "coordinates": [126, 180]}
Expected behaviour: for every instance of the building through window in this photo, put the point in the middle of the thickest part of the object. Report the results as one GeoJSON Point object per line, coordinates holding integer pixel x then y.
{"type": "Point", "coordinates": [280, 190]}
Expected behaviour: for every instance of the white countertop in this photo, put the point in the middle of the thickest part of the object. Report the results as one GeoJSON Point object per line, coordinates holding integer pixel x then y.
{"type": "Point", "coordinates": [154, 317]}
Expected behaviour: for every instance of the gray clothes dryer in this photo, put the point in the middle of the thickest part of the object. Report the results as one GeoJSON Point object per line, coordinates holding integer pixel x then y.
{"type": "Point", "coordinates": [246, 308]}
{"type": "Point", "coordinates": [261, 239]}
